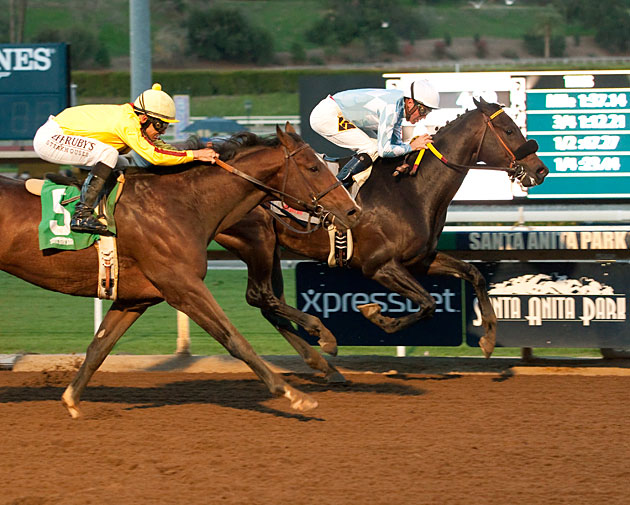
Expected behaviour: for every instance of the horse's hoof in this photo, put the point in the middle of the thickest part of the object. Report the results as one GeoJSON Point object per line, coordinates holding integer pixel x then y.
{"type": "Point", "coordinates": [328, 347]}
{"type": "Point", "coordinates": [73, 410]}
{"type": "Point", "coordinates": [69, 403]}
{"type": "Point", "coordinates": [369, 309]}
{"type": "Point", "coordinates": [300, 401]}
{"type": "Point", "coordinates": [486, 346]}
{"type": "Point", "coordinates": [335, 378]}
{"type": "Point", "coordinates": [327, 341]}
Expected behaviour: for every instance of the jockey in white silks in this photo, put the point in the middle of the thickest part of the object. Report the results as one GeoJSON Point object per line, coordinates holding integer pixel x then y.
{"type": "Point", "coordinates": [369, 121]}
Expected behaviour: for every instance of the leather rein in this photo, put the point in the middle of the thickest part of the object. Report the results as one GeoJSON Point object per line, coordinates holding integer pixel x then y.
{"type": "Point", "coordinates": [313, 207]}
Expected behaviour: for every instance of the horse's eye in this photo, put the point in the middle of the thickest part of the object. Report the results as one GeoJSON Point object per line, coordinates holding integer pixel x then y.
{"type": "Point", "coordinates": [314, 168]}
{"type": "Point", "coordinates": [509, 132]}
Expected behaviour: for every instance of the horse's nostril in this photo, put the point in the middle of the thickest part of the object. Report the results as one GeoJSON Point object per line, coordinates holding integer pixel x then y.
{"type": "Point", "coordinates": [352, 212]}
{"type": "Point", "coordinates": [542, 171]}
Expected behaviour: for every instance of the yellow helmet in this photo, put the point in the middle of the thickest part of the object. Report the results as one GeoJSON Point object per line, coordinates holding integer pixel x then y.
{"type": "Point", "coordinates": [156, 103]}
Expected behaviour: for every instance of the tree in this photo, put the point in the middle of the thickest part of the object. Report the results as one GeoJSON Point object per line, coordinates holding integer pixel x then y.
{"type": "Point", "coordinates": [17, 19]}
{"type": "Point", "coordinates": [379, 24]}
{"type": "Point", "coordinates": [546, 19]}
{"type": "Point", "coordinates": [611, 20]}
{"type": "Point", "coordinates": [225, 34]}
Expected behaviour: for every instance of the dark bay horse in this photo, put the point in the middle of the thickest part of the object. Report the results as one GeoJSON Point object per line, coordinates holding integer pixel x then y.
{"type": "Point", "coordinates": [397, 234]}
{"type": "Point", "coordinates": [165, 223]}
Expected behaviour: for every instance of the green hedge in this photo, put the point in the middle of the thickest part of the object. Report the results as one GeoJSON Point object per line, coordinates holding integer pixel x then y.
{"type": "Point", "coordinates": [202, 82]}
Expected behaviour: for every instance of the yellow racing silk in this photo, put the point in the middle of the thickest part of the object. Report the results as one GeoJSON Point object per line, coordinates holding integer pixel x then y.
{"type": "Point", "coordinates": [119, 127]}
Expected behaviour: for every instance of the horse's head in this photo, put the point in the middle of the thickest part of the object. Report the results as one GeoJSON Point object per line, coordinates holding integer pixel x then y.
{"type": "Point", "coordinates": [312, 186]}
{"type": "Point", "coordinates": [505, 144]}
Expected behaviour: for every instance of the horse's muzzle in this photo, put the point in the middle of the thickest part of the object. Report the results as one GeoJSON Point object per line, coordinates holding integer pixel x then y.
{"type": "Point", "coordinates": [345, 222]}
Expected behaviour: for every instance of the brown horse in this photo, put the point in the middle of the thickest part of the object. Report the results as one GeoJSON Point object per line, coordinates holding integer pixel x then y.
{"type": "Point", "coordinates": [397, 235]}
{"type": "Point", "coordinates": [165, 223]}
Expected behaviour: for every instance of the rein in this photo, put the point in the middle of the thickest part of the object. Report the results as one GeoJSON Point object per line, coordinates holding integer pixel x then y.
{"type": "Point", "coordinates": [312, 207]}
{"type": "Point", "coordinates": [308, 228]}
{"type": "Point", "coordinates": [514, 171]}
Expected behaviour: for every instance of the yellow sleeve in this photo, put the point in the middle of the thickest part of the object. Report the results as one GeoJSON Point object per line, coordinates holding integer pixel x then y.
{"type": "Point", "coordinates": [132, 136]}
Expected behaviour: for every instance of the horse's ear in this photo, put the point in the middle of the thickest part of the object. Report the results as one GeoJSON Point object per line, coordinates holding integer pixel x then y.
{"type": "Point", "coordinates": [481, 104]}
{"type": "Point", "coordinates": [289, 128]}
{"type": "Point", "coordinates": [284, 138]}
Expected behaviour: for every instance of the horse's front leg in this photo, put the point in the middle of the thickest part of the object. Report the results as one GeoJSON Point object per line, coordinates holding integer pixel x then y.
{"type": "Point", "coordinates": [117, 320]}
{"type": "Point", "coordinates": [443, 264]}
{"type": "Point", "coordinates": [191, 296]}
{"type": "Point", "coordinates": [266, 291]}
{"type": "Point", "coordinates": [253, 240]}
{"type": "Point", "coordinates": [397, 278]}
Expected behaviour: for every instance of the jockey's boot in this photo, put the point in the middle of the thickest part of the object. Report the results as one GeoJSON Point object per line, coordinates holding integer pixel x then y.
{"type": "Point", "coordinates": [83, 220]}
{"type": "Point", "coordinates": [358, 163]}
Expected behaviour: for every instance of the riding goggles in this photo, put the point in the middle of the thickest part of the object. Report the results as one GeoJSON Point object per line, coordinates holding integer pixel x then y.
{"type": "Point", "coordinates": [159, 125]}
{"type": "Point", "coordinates": [422, 109]}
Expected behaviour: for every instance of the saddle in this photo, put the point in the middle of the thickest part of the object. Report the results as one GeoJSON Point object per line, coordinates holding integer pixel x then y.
{"type": "Point", "coordinates": [53, 235]}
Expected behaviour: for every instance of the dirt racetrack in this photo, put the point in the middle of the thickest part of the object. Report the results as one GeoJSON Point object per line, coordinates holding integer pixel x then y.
{"type": "Point", "coordinates": [197, 438]}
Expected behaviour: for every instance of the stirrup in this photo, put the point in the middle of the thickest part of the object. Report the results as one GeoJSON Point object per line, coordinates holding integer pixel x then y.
{"type": "Point", "coordinates": [88, 224]}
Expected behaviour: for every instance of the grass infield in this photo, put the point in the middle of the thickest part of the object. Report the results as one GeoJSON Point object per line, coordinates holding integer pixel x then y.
{"type": "Point", "coordinates": [34, 320]}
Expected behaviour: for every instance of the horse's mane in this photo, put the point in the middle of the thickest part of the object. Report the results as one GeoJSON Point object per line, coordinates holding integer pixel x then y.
{"type": "Point", "coordinates": [227, 148]}
{"type": "Point", "coordinates": [451, 124]}
{"type": "Point", "coordinates": [231, 146]}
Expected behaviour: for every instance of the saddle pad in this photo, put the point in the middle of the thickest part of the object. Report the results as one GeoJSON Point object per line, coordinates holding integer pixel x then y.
{"type": "Point", "coordinates": [54, 228]}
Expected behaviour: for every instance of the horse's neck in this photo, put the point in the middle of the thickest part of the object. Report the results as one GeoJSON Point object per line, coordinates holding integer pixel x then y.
{"type": "Point", "coordinates": [242, 194]}
{"type": "Point", "coordinates": [458, 145]}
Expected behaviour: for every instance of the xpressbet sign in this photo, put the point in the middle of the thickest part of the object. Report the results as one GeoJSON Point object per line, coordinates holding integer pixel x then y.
{"type": "Point", "coordinates": [335, 296]}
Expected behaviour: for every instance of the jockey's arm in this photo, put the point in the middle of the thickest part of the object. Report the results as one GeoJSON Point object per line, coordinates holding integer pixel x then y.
{"type": "Point", "coordinates": [390, 143]}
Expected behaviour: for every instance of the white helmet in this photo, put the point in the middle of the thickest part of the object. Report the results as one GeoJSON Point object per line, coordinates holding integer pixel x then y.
{"type": "Point", "coordinates": [155, 103]}
{"type": "Point", "coordinates": [422, 91]}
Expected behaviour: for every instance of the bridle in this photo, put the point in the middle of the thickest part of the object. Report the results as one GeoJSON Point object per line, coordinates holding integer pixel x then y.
{"type": "Point", "coordinates": [313, 207]}
{"type": "Point", "coordinates": [515, 170]}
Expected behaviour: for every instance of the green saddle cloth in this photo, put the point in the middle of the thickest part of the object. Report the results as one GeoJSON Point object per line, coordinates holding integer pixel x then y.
{"type": "Point", "coordinates": [54, 228]}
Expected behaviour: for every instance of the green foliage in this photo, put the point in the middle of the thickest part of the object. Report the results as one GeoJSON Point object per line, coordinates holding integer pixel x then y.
{"type": "Point", "coordinates": [378, 24]}
{"type": "Point", "coordinates": [202, 82]}
{"type": "Point", "coordinates": [613, 33]}
{"type": "Point", "coordinates": [225, 34]}
{"type": "Point", "coordinates": [298, 53]}
{"type": "Point", "coordinates": [85, 48]}
{"type": "Point", "coordinates": [611, 20]}
{"type": "Point", "coordinates": [535, 45]}
{"type": "Point", "coordinates": [101, 57]}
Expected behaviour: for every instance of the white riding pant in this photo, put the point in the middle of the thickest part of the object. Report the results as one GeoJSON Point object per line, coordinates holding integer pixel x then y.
{"type": "Point", "coordinates": [52, 144]}
{"type": "Point", "coordinates": [326, 119]}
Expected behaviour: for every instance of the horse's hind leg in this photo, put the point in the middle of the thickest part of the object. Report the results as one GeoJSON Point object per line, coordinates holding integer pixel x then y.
{"type": "Point", "coordinates": [443, 264]}
{"type": "Point", "coordinates": [397, 278]}
{"type": "Point", "coordinates": [117, 320]}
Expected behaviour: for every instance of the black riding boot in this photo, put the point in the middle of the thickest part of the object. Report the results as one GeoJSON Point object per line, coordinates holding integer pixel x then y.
{"type": "Point", "coordinates": [83, 220]}
{"type": "Point", "coordinates": [358, 163]}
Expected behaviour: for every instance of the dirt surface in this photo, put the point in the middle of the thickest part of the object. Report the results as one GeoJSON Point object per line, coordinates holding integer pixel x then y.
{"type": "Point", "coordinates": [198, 438]}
